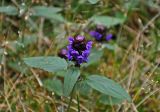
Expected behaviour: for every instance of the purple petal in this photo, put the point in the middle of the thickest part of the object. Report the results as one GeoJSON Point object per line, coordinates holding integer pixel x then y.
{"type": "Point", "coordinates": [80, 59]}
{"type": "Point", "coordinates": [70, 48]}
{"type": "Point", "coordinates": [89, 45]}
{"type": "Point", "coordinates": [109, 37]}
{"type": "Point", "coordinates": [71, 40]}
{"type": "Point", "coordinates": [63, 51]}
{"type": "Point", "coordinates": [86, 53]}
{"type": "Point", "coordinates": [69, 56]}
{"type": "Point", "coordinates": [74, 53]}
{"type": "Point", "coordinates": [96, 35]}
{"type": "Point", "coordinates": [80, 38]}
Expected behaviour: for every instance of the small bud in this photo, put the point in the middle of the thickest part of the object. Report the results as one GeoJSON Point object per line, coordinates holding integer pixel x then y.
{"type": "Point", "coordinates": [79, 38]}
{"type": "Point", "coordinates": [101, 29]}
{"type": "Point", "coordinates": [63, 53]}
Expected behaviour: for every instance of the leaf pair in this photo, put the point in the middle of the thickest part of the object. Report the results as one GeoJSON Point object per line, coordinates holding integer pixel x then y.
{"type": "Point", "coordinates": [100, 83]}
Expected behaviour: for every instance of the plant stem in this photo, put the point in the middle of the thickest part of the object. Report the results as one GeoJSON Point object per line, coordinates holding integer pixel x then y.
{"type": "Point", "coordinates": [70, 101]}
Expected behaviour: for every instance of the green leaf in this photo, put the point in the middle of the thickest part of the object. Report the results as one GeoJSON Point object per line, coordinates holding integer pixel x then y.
{"type": "Point", "coordinates": [83, 88]}
{"type": "Point", "coordinates": [111, 47]}
{"type": "Point", "coordinates": [107, 87]}
{"type": "Point", "coordinates": [93, 1]}
{"type": "Point", "coordinates": [108, 100]}
{"type": "Point", "coordinates": [132, 4]}
{"type": "Point", "coordinates": [28, 39]}
{"type": "Point", "coordinates": [21, 43]}
{"type": "Point", "coordinates": [107, 20]}
{"type": "Point", "coordinates": [9, 10]}
{"type": "Point", "coordinates": [57, 17]}
{"type": "Point", "coordinates": [18, 66]}
{"type": "Point", "coordinates": [47, 107]}
{"type": "Point", "coordinates": [47, 12]}
{"type": "Point", "coordinates": [38, 10]}
{"type": "Point", "coordinates": [94, 56]}
{"type": "Point", "coordinates": [151, 4]}
{"type": "Point", "coordinates": [47, 63]}
{"type": "Point", "coordinates": [53, 85]}
{"type": "Point", "coordinates": [1, 51]}
{"type": "Point", "coordinates": [61, 73]}
{"type": "Point", "coordinates": [70, 80]}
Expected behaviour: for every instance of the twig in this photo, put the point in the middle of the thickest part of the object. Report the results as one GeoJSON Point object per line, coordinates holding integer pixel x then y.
{"type": "Point", "coordinates": [134, 107]}
{"type": "Point", "coordinates": [24, 109]}
{"type": "Point", "coordinates": [52, 99]}
{"type": "Point", "coordinates": [136, 47]}
{"type": "Point", "coordinates": [144, 83]}
{"type": "Point", "coordinates": [40, 33]}
{"type": "Point", "coordinates": [37, 78]}
{"type": "Point", "coordinates": [71, 107]}
{"type": "Point", "coordinates": [82, 106]}
{"type": "Point", "coordinates": [152, 93]}
{"type": "Point", "coordinates": [6, 99]}
{"type": "Point", "coordinates": [16, 4]}
{"type": "Point", "coordinates": [78, 106]}
{"type": "Point", "coordinates": [137, 41]}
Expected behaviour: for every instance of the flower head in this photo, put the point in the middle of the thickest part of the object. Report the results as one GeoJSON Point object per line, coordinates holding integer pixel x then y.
{"type": "Point", "coordinates": [100, 34]}
{"type": "Point", "coordinates": [78, 49]}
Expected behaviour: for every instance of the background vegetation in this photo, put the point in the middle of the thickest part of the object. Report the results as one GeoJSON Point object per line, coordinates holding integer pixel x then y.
{"type": "Point", "coordinates": [41, 27]}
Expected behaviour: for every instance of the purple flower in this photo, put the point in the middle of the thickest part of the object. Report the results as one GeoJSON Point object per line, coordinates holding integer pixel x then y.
{"type": "Point", "coordinates": [78, 49]}
{"type": "Point", "coordinates": [100, 34]}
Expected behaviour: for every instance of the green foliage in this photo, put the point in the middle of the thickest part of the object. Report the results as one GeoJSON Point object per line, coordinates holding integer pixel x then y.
{"type": "Point", "coordinates": [47, 63]}
{"type": "Point", "coordinates": [48, 108]}
{"type": "Point", "coordinates": [131, 5]}
{"type": "Point", "coordinates": [108, 100]}
{"type": "Point", "coordinates": [9, 10]}
{"type": "Point", "coordinates": [94, 56]}
{"type": "Point", "coordinates": [22, 43]}
{"type": "Point", "coordinates": [17, 66]}
{"type": "Point", "coordinates": [109, 46]}
{"type": "Point", "coordinates": [83, 88]}
{"type": "Point", "coordinates": [47, 12]}
{"type": "Point", "coordinates": [70, 80]}
{"type": "Point", "coordinates": [107, 87]}
{"type": "Point", "coordinates": [53, 85]}
{"type": "Point", "coordinates": [40, 10]}
{"type": "Point", "coordinates": [108, 21]}
{"type": "Point", "coordinates": [93, 1]}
